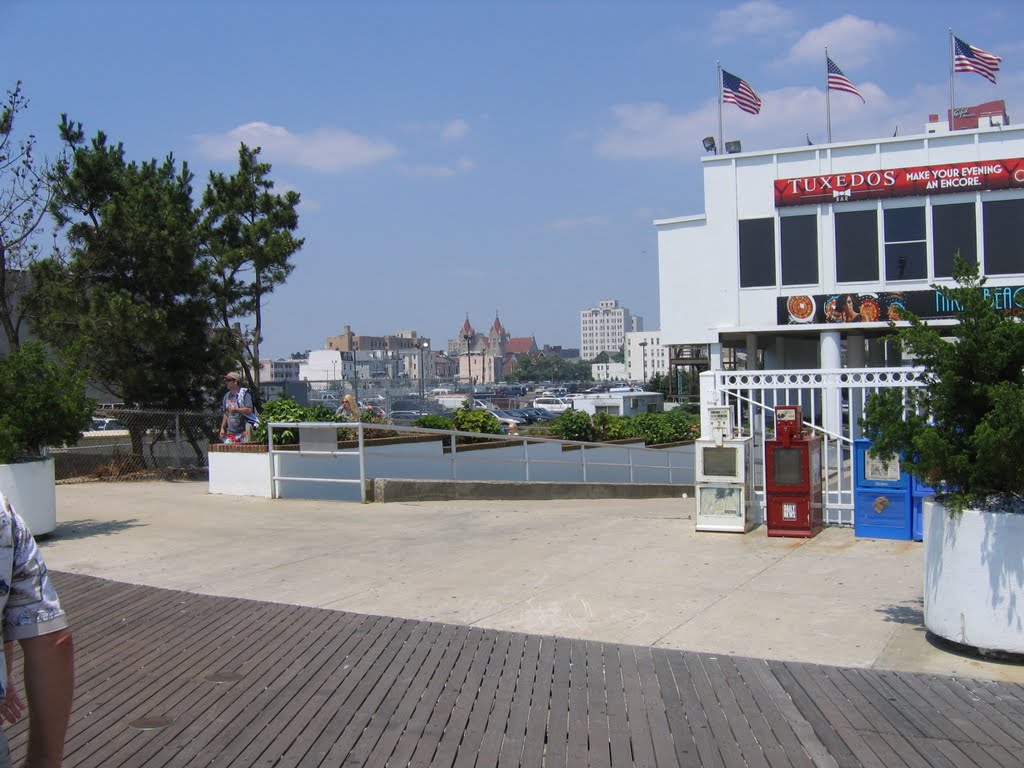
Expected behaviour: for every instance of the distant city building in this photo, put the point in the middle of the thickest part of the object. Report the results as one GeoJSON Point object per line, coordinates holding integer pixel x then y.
{"type": "Point", "coordinates": [645, 356]}
{"type": "Point", "coordinates": [603, 328]}
{"type": "Point", "coordinates": [608, 371]}
{"type": "Point", "coordinates": [566, 353]}
{"type": "Point", "coordinates": [327, 365]}
{"type": "Point", "coordinates": [488, 358]}
{"type": "Point", "coordinates": [280, 370]}
{"type": "Point", "coordinates": [347, 341]}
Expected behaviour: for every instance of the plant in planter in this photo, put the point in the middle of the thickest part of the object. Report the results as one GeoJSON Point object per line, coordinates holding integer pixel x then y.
{"type": "Point", "coordinates": [42, 404]}
{"type": "Point", "coordinates": [962, 431]}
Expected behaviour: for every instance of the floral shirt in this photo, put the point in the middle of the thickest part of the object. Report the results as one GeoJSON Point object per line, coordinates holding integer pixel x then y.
{"type": "Point", "coordinates": [28, 601]}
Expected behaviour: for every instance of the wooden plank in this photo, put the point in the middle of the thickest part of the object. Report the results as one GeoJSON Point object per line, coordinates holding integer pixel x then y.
{"type": "Point", "coordinates": [557, 736]}
{"type": "Point", "coordinates": [742, 730]}
{"type": "Point", "coordinates": [409, 732]}
{"type": "Point", "coordinates": [717, 720]}
{"type": "Point", "coordinates": [913, 700]}
{"type": "Point", "coordinates": [433, 722]}
{"type": "Point", "coordinates": [290, 736]}
{"type": "Point", "coordinates": [331, 723]}
{"type": "Point", "coordinates": [907, 752]}
{"type": "Point", "coordinates": [999, 728]}
{"type": "Point", "coordinates": [696, 717]}
{"type": "Point", "coordinates": [389, 723]}
{"type": "Point", "coordinates": [380, 701]}
{"type": "Point", "coordinates": [540, 701]}
{"type": "Point", "coordinates": [760, 712]}
{"type": "Point", "coordinates": [456, 713]}
{"type": "Point", "coordinates": [636, 714]}
{"type": "Point", "coordinates": [495, 718]}
{"type": "Point", "coordinates": [620, 750]}
{"type": "Point", "coordinates": [661, 734]}
{"type": "Point", "coordinates": [288, 690]}
{"type": "Point", "coordinates": [576, 748]}
{"type": "Point", "coordinates": [807, 705]}
{"type": "Point", "coordinates": [1005, 698]}
{"type": "Point", "coordinates": [514, 739]}
{"type": "Point", "coordinates": [682, 739]}
{"type": "Point", "coordinates": [598, 740]}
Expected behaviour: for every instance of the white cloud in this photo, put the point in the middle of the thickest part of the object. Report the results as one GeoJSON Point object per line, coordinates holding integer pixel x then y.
{"type": "Point", "coordinates": [462, 165]}
{"type": "Point", "coordinates": [328, 150]}
{"type": "Point", "coordinates": [581, 222]}
{"type": "Point", "coordinates": [454, 129]}
{"type": "Point", "coordinates": [851, 41]}
{"type": "Point", "coordinates": [651, 131]}
{"type": "Point", "coordinates": [756, 18]}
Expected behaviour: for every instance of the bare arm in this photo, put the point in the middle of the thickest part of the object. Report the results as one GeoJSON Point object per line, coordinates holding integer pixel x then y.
{"type": "Point", "coordinates": [49, 677]}
{"type": "Point", "coordinates": [12, 707]}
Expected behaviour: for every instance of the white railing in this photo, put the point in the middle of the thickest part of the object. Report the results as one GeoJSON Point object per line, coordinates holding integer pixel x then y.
{"type": "Point", "coordinates": [518, 458]}
{"type": "Point", "coordinates": [832, 402]}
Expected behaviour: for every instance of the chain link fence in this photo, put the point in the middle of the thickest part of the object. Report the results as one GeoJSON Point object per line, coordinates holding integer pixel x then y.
{"type": "Point", "coordinates": [129, 443]}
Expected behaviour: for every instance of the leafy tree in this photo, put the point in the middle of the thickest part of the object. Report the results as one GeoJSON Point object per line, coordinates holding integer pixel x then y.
{"type": "Point", "coordinates": [249, 231]}
{"type": "Point", "coordinates": [127, 298]}
{"type": "Point", "coordinates": [550, 368]}
{"type": "Point", "coordinates": [574, 425]}
{"type": "Point", "coordinates": [42, 403]}
{"type": "Point", "coordinates": [24, 195]}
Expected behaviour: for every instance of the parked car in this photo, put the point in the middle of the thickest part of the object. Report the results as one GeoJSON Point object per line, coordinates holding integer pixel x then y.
{"type": "Point", "coordinates": [404, 416]}
{"type": "Point", "coordinates": [101, 424]}
{"type": "Point", "coordinates": [556, 405]}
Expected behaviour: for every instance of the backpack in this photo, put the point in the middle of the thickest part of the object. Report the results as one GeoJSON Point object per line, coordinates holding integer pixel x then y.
{"type": "Point", "coordinates": [253, 417]}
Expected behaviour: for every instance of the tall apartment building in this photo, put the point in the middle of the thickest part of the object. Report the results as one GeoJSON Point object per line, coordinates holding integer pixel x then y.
{"type": "Point", "coordinates": [603, 328]}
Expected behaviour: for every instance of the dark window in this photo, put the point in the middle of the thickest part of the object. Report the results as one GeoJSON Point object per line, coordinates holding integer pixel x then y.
{"type": "Point", "coordinates": [954, 230]}
{"type": "Point", "coordinates": [1004, 236]}
{"type": "Point", "coordinates": [757, 252]}
{"type": "Point", "coordinates": [906, 250]}
{"type": "Point", "coordinates": [799, 249]}
{"type": "Point", "coordinates": [856, 246]}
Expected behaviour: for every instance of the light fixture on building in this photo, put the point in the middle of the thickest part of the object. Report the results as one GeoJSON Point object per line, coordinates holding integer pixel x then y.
{"type": "Point", "coordinates": [709, 144]}
{"type": "Point", "coordinates": [732, 147]}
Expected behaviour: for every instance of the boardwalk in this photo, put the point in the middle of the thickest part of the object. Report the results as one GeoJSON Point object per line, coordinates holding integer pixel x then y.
{"type": "Point", "coordinates": [246, 683]}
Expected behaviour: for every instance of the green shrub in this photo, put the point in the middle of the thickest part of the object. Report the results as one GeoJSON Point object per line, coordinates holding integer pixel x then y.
{"type": "Point", "coordinates": [287, 410]}
{"type": "Point", "coordinates": [433, 421]}
{"type": "Point", "coordinates": [608, 426]}
{"type": "Point", "coordinates": [965, 426]}
{"type": "Point", "coordinates": [472, 420]}
{"type": "Point", "coordinates": [42, 403]}
{"type": "Point", "coordinates": [652, 428]}
{"type": "Point", "coordinates": [574, 425]}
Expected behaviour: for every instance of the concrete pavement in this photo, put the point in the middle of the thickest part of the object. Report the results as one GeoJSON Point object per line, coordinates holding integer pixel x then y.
{"type": "Point", "coordinates": [625, 571]}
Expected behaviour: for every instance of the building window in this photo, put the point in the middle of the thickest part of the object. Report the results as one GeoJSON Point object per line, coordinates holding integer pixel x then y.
{"type": "Point", "coordinates": [799, 236]}
{"type": "Point", "coordinates": [856, 246]}
{"type": "Point", "coordinates": [906, 246]}
{"type": "Point", "coordinates": [1004, 236]}
{"type": "Point", "coordinates": [954, 230]}
{"type": "Point", "coordinates": [757, 252]}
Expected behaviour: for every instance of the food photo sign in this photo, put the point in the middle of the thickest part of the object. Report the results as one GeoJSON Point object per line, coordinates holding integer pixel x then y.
{"type": "Point", "coordinates": [845, 308]}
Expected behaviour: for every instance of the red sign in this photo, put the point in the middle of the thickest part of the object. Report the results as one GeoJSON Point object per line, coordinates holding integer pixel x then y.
{"type": "Point", "coordinates": [901, 182]}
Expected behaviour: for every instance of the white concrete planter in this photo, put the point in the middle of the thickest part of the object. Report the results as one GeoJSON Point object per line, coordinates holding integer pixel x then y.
{"type": "Point", "coordinates": [31, 489]}
{"type": "Point", "coordinates": [974, 578]}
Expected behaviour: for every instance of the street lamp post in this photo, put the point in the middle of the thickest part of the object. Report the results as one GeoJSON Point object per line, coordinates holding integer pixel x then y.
{"type": "Point", "coordinates": [423, 372]}
{"type": "Point", "coordinates": [643, 356]}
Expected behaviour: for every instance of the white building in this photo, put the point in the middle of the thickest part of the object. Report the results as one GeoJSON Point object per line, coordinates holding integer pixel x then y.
{"type": "Point", "coordinates": [327, 365]}
{"type": "Point", "coordinates": [806, 252]}
{"type": "Point", "coordinates": [620, 402]}
{"type": "Point", "coordinates": [608, 371]}
{"type": "Point", "coordinates": [603, 328]}
{"type": "Point", "coordinates": [279, 370]}
{"type": "Point", "coordinates": [645, 355]}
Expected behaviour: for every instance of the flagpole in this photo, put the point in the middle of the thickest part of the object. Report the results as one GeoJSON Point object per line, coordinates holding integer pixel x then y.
{"type": "Point", "coordinates": [952, 97]}
{"type": "Point", "coordinates": [828, 101]}
{"type": "Point", "coordinates": [718, 85]}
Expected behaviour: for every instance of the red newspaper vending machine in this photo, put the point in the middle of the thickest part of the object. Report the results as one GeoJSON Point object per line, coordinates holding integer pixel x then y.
{"type": "Point", "coordinates": [793, 476]}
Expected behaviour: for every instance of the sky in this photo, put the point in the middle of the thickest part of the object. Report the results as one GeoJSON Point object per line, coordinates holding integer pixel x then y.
{"type": "Point", "coordinates": [460, 157]}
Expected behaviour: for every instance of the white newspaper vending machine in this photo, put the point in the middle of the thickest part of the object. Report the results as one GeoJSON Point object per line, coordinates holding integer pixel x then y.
{"type": "Point", "coordinates": [724, 478]}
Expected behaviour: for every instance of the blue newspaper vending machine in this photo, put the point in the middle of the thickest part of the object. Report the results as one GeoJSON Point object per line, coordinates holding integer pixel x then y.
{"type": "Point", "coordinates": [918, 493]}
{"type": "Point", "coordinates": [882, 507]}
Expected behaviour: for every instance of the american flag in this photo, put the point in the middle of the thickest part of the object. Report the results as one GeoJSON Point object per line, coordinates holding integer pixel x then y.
{"type": "Point", "coordinates": [967, 58]}
{"type": "Point", "coordinates": [738, 92]}
{"type": "Point", "coordinates": [837, 81]}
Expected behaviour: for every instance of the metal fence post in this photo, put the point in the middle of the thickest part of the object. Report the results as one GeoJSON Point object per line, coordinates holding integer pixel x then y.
{"type": "Point", "coordinates": [362, 462]}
